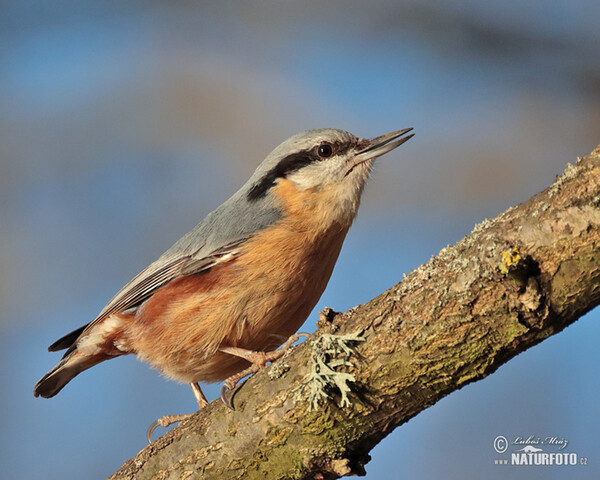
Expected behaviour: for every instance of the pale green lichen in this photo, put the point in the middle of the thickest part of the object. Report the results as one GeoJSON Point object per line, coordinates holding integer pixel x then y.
{"type": "Point", "coordinates": [569, 174]}
{"type": "Point", "coordinates": [329, 353]}
{"type": "Point", "coordinates": [277, 370]}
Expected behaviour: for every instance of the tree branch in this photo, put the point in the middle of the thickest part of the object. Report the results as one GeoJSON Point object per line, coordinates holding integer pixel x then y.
{"type": "Point", "coordinates": [514, 281]}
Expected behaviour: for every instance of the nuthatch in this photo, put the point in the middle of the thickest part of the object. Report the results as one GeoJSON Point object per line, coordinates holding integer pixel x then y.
{"type": "Point", "coordinates": [218, 303]}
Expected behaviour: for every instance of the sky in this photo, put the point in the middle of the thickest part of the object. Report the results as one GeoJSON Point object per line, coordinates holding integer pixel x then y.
{"type": "Point", "coordinates": [123, 123]}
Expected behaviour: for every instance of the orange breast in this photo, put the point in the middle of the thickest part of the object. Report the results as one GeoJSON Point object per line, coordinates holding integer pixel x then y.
{"type": "Point", "coordinates": [254, 302]}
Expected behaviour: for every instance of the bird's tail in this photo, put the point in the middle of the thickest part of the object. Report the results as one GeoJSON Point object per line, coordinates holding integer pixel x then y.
{"type": "Point", "coordinates": [98, 344]}
{"type": "Point", "coordinates": [68, 368]}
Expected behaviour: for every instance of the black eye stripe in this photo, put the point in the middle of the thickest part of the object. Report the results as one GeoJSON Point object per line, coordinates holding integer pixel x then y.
{"type": "Point", "coordinates": [292, 163]}
{"type": "Point", "coordinates": [287, 165]}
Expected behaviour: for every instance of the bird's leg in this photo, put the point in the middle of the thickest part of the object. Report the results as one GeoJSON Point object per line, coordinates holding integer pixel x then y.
{"type": "Point", "coordinates": [200, 398]}
{"type": "Point", "coordinates": [167, 420]}
{"type": "Point", "coordinates": [258, 361]}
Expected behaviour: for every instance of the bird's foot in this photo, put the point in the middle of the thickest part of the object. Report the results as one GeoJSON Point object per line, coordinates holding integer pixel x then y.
{"type": "Point", "coordinates": [168, 420]}
{"type": "Point", "coordinates": [258, 360]}
{"type": "Point", "coordinates": [165, 421]}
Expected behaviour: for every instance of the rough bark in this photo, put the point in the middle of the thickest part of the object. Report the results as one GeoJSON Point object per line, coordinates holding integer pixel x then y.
{"type": "Point", "coordinates": [511, 283]}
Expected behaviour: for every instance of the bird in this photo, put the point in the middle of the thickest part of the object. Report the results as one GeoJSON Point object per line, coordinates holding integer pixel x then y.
{"type": "Point", "coordinates": [220, 301]}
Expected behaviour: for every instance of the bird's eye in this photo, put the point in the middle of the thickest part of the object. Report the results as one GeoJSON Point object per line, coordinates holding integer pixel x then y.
{"type": "Point", "coordinates": [324, 150]}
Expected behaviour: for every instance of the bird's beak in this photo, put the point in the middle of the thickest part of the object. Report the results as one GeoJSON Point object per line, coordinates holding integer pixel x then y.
{"type": "Point", "coordinates": [375, 147]}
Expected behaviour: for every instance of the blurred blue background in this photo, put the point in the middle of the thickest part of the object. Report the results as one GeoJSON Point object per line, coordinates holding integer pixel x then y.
{"type": "Point", "coordinates": [123, 123]}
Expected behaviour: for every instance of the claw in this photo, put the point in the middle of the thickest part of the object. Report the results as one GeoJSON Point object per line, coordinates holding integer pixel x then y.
{"type": "Point", "coordinates": [227, 401]}
{"type": "Point", "coordinates": [151, 429]}
{"type": "Point", "coordinates": [258, 361]}
{"type": "Point", "coordinates": [301, 334]}
{"type": "Point", "coordinates": [165, 421]}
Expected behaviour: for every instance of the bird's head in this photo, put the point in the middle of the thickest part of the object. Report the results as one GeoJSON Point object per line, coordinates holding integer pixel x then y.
{"type": "Point", "coordinates": [324, 166]}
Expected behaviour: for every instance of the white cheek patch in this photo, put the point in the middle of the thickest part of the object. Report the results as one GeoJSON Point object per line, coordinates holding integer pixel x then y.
{"type": "Point", "coordinates": [317, 175]}
{"type": "Point", "coordinates": [338, 185]}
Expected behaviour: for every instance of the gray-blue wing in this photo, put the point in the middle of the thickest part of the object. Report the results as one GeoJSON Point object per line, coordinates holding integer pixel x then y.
{"type": "Point", "coordinates": [148, 281]}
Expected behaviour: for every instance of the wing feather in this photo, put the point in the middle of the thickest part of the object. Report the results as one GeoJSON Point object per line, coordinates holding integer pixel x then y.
{"type": "Point", "coordinates": [150, 279]}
